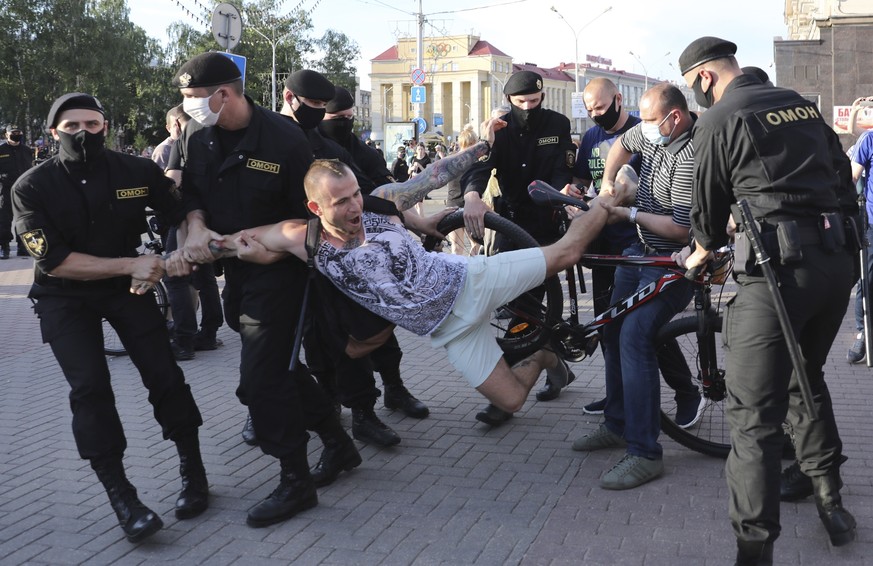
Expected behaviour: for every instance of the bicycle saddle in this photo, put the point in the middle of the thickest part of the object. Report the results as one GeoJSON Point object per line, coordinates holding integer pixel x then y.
{"type": "Point", "coordinates": [544, 194]}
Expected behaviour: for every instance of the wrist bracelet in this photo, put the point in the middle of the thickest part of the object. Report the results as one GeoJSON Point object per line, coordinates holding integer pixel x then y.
{"type": "Point", "coordinates": [487, 143]}
{"type": "Point", "coordinates": [633, 214]}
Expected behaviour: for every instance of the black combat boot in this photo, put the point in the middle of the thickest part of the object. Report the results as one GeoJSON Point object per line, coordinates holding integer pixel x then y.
{"type": "Point", "coordinates": [183, 348]}
{"type": "Point", "coordinates": [296, 493]}
{"type": "Point", "coordinates": [795, 485]}
{"type": "Point", "coordinates": [339, 454]}
{"type": "Point", "coordinates": [248, 432]}
{"type": "Point", "coordinates": [194, 498]}
{"type": "Point", "coordinates": [754, 553]}
{"type": "Point", "coordinates": [398, 397]}
{"type": "Point", "coordinates": [205, 339]}
{"type": "Point", "coordinates": [367, 427]}
{"type": "Point", "coordinates": [839, 523]}
{"type": "Point", "coordinates": [4, 251]}
{"type": "Point", "coordinates": [135, 519]}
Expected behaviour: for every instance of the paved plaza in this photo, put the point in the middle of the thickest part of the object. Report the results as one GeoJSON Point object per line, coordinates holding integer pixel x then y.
{"type": "Point", "coordinates": [453, 492]}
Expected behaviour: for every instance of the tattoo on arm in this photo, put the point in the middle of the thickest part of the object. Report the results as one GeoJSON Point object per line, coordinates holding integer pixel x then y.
{"type": "Point", "coordinates": [405, 195]}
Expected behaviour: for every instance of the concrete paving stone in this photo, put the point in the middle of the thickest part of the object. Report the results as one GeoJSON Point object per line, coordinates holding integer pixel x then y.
{"type": "Point", "coordinates": [61, 555]}
{"type": "Point", "coordinates": [26, 554]}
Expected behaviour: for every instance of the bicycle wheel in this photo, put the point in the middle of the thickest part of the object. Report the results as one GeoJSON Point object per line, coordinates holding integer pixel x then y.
{"type": "Point", "coordinates": [679, 360]}
{"type": "Point", "coordinates": [523, 326]}
{"type": "Point", "coordinates": [112, 345]}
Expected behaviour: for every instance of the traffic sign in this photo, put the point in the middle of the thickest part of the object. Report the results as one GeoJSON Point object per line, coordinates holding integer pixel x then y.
{"type": "Point", "coordinates": [240, 62]}
{"type": "Point", "coordinates": [419, 94]}
{"type": "Point", "coordinates": [437, 119]}
{"type": "Point", "coordinates": [418, 76]}
{"type": "Point", "coordinates": [422, 125]}
{"type": "Point", "coordinates": [226, 26]}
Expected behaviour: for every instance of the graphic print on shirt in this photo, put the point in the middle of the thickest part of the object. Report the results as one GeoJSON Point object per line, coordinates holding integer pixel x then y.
{"type": "Point", "coordinates": [392, 275]}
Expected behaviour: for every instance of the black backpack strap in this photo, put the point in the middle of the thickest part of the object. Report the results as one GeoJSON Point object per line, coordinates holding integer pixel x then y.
{"type": "Point", "coordinates": [313, 232]}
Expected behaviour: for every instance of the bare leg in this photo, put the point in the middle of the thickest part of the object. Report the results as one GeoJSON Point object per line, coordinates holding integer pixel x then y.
{"type": "Point", "coordinates": [508, 388]}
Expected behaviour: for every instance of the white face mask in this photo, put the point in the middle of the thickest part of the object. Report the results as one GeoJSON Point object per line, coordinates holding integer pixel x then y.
{"type": "Point", "coordinates": [652, 132]}
{"type": "Point", "coordinates": [198, 109]}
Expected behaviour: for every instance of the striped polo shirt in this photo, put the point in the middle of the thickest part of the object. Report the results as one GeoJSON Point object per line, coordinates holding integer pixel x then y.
{"type": "Point", "coordinates": [666, 177]}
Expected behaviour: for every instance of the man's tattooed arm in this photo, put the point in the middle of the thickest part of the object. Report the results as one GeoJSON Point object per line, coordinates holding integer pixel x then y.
{"type": "Point", "coordinates": [405, 195]}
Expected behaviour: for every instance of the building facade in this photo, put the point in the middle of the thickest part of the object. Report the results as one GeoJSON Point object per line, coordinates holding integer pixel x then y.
{"type": "Point", "coordinates": [827, 55]}
{"type": "Point", "coordinates": [463, 81]}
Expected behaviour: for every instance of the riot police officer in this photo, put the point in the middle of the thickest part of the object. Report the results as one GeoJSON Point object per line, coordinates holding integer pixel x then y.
{"type": "Point", "coordinates": [771, 147]}
{"type": "Point", "coordinates": [81, 215]}
{"type": "Point", "coordinates": [536, 144]}
{"type": "Point", "coordinates": [15, 159]}
{"type": "Point", "coordinates": [245, 165]}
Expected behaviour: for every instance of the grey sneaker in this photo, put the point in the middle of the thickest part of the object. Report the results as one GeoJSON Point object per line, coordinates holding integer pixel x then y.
{"type": "Point", "coordinates": [858, 350]}
{"type": "Point", "coordinates": [598, 440]}
{"type": "Point", "coordinates": [631, 471]}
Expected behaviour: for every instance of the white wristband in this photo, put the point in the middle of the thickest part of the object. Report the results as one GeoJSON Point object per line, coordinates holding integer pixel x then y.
{"type": "Point", "coordinates": [633, 214]}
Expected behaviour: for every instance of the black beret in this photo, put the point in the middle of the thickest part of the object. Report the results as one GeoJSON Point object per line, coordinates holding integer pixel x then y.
{"type": "Point", "coordinates": [72, 101]}
{"type": "Point", "coordinates": [342, 100]}
{"type": "Point", "coordinates": [523, 82]}
{"type": "Point", "coordinates": [12, 128]}
{"type": "Point", "coordinates": [757, 72]}
{"type": "Point", "coordinates": [206, 69]}
{"type": "Point", "coordinates": [310, 84]}
{"type": "Point", "coordinates": [704, 49]}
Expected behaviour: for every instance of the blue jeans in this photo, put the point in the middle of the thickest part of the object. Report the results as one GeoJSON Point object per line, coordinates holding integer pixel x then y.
{"type": "Point", "coordinates": [633, 384]}
{"type": "Point", "coordinates": [859, 301]}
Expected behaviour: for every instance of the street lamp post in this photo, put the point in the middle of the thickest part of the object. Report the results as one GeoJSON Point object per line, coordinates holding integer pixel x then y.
{"type": "Point", "coordinates": [576, 33]}
{"type": "Point", "coordinates": [273, 43]}
{"type": "Point", "coordinates": [645, 72]}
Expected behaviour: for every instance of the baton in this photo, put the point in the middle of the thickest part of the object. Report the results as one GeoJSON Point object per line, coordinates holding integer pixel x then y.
{"type": "Point", "coordinates": [763, 259]}
{"type": "Point", "coordinates": [865, 279]}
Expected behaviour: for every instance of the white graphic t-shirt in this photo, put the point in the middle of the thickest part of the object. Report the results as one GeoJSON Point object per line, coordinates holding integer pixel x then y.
{"type": "Point", "coordinates": [392, 275]}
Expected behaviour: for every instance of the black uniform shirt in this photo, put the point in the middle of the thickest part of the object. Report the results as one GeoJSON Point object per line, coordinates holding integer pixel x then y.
{"type": "Point", "coordinates": [544, 152]}
{"type": "Point", "coordinates": [259, 182]}
{"type": "Point", "coordinates": [14, 160]}
{"type": "Point", "coordinates": [97, 210]}
{"type": "Point", "coordinates": [326, 148]}
{"type": "Point", "coordinates": [370, 162]}
{"type": "Point", "coordinates": [770, 146]}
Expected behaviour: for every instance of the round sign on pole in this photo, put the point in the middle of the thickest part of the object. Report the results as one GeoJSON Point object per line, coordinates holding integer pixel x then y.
{"type": "Point", "coordinates": [226, 26]}
{"type": "Point", "coordinates": [418, 76]}
{"type": "Point", "coordinates": [422, 125]}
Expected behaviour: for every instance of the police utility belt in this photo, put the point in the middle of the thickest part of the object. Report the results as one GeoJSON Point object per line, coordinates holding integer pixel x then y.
{"type": "Point", "coordinates": [784, 238]}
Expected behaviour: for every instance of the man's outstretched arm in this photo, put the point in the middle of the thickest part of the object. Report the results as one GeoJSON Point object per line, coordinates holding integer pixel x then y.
{"type": "Point", "coordinates": [405, 195]}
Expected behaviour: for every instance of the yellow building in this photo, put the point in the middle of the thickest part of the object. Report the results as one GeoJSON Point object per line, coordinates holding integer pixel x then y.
{"type": "Point", "coordinates": [463, 82]}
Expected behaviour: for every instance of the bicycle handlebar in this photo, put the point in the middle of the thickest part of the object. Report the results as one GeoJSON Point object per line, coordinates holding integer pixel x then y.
{"type": "Point", "coordinates": [544, 194]}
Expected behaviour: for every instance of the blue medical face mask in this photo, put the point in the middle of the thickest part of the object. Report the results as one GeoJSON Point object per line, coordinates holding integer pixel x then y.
{"type": "Point", "coordinates": [652, 132]}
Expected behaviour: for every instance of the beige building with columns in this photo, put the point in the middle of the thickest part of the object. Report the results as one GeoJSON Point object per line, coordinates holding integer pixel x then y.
{"type": "Point", "coordinates": [464, 78]}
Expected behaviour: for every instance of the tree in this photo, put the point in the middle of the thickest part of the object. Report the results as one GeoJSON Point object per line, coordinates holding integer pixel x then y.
{"type": "Point", "coordinates": [337, 63]}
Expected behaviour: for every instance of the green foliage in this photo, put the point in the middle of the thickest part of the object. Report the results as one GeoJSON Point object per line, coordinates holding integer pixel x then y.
{"type": "Point", "coordinates": [57, 46]}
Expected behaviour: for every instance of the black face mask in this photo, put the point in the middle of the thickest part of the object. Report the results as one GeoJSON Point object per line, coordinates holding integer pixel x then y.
{"type": "Point", "coordinates": [526, 119]}
{"type": "Point", "coordinates": [704, 99]}
{"type": "Point", "coordinates": [16, 137]}
{"type": "Point", "coordinates": [307, 116]}
{"type": "Point", "coordinates": [83, 146]}
{"type": "Point", "coordinates": [338, 129]}
{"type": "Point", "coordinates": [609, 119]}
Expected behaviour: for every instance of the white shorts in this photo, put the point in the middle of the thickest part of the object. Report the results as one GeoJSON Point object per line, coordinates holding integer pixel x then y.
{"type": "Point", "coordinates": [466, 332]}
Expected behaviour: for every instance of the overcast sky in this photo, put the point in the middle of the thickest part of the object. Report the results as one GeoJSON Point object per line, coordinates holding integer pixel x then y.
{"type": "Point", "coordinates": [529, 31]}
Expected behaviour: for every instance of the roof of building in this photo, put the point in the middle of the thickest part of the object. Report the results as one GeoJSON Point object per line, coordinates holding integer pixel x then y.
{"type": "Point", "coordinates": [485, 48]}
{"type": "Point", "coordinates": [554, 74]}
{"type": "Point", "coordinates": [389, 54]}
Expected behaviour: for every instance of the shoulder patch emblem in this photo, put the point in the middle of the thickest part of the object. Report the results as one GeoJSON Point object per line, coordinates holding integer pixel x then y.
{"type": "Point", "coordinates": [791, 115]}
{"type": "Point", "coordinates": [35, 243]}
{"type": "Point", "coordinates": [265, 166]}
{"type": "Point", "coordinates": [571, 158]}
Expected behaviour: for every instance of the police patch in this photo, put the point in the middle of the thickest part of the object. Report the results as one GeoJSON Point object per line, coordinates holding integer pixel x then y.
{"type": "Point", "coordinates": [265, 166]}
{"type": "Point", "coordinates": [547, 141]}
{"type": "Point", "coordinates": [35, 243]}
{"type": "Point", "coordinates": [791, 115]}
{"type": "Point", "coordinates": [571, 158]}
{"type": "Point", "coordinates": [136, 192]}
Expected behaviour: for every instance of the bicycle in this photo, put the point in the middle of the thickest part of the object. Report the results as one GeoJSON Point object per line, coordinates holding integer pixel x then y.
{"type": "Point", "coordinates": [684, 343]}
{"type": "Point", "coordinates": [153, 244]}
